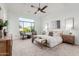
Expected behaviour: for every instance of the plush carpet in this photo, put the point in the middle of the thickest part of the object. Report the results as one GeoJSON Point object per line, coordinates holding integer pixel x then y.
{"type": "Point", "coordinates": [27, 48]}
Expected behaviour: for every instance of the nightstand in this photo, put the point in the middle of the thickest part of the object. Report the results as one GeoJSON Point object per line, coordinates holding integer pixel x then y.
{"type": "Point", "coordinates": [68, 39]}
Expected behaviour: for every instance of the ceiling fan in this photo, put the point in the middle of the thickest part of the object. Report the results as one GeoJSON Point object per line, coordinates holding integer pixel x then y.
{"type": "Point", "coordinates": [39, 9]}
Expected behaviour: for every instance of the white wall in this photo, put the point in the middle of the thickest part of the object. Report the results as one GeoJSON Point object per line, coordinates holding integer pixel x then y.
{"type": "Point", "coordinates": [13, 26]}
{"type": "Point", "coordinates": [38, 26]}
{"type": "Point", "coordinates": [12, 21]}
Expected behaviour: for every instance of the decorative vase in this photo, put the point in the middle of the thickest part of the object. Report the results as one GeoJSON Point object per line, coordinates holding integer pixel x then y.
{"type": "Point", "coordinates": [0, 33]}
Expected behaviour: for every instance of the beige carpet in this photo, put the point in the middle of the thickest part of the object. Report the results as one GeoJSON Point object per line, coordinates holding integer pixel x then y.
{"type": "Point", "coordinates": [26, 48]}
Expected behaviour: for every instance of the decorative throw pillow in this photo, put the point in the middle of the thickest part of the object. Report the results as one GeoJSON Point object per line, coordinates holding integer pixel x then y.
{"type": "Point", "coordinates": [40, 37]}
{"type": "Point", "coordinates": [50, 34]}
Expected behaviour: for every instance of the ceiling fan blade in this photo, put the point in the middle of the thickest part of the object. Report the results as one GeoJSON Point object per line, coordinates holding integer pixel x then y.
{"type": "Point", "coordinates": [43, 11]}
{"type": "Point", "coordinates": [44, 7]}
{"type": "Point", "coordinates": [33, 6]}
{"type": "Point", "coordinates": [36, 11]}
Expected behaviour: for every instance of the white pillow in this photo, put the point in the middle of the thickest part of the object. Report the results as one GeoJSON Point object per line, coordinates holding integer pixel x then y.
{"type": "Point", "coordinates": [57, 33]}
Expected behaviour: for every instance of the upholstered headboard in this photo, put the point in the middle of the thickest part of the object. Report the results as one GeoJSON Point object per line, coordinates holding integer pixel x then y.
{"type": "Point", "coordinates": [51, 33]}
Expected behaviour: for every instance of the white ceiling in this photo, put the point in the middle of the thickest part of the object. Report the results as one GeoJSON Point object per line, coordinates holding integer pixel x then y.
{"type": "Point", "coordinates": [24, 9]}
{"type": "Point", "coordinates": [53, 9]}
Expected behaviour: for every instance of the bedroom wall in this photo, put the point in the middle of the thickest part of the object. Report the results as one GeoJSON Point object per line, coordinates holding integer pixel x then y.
{"type": "Point", "coordinates": [63, 11]}
{"type": "Point", "coordinates": [13, 26]}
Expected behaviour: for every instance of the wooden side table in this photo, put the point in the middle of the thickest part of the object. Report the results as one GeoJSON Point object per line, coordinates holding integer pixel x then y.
{"type": "Point", "coordinates": [68, 39]}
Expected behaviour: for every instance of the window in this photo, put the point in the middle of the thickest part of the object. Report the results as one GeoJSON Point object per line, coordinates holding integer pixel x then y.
{"type": "Point", "coordinates": [26, 25]}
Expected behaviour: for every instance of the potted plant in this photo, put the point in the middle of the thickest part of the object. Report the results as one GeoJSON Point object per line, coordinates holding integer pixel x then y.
{"type": "Point", "coordinates": [2, 24]}
{"type": "Point", "coordinates": [33, 32]}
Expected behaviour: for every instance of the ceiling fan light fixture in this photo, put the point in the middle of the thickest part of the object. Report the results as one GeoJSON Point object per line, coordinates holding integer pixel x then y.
{"type": "Point", "coordinates": [40, 9]}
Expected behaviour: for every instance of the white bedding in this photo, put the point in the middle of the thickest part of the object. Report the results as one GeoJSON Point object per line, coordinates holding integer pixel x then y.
{"type": "Point", "coordinates": [52, 40]}
{"type": "Point", "coordinates": [55, 40]}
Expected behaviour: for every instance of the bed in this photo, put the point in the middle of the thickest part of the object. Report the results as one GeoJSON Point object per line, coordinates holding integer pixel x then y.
{"type": "Point", "coordinates": [49, 40]}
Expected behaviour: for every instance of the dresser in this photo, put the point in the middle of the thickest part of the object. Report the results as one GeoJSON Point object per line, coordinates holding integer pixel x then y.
{"type": "Point", "coordinates": [68, 39]}
{"type": "Point", "coordinates": [5, 47]}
